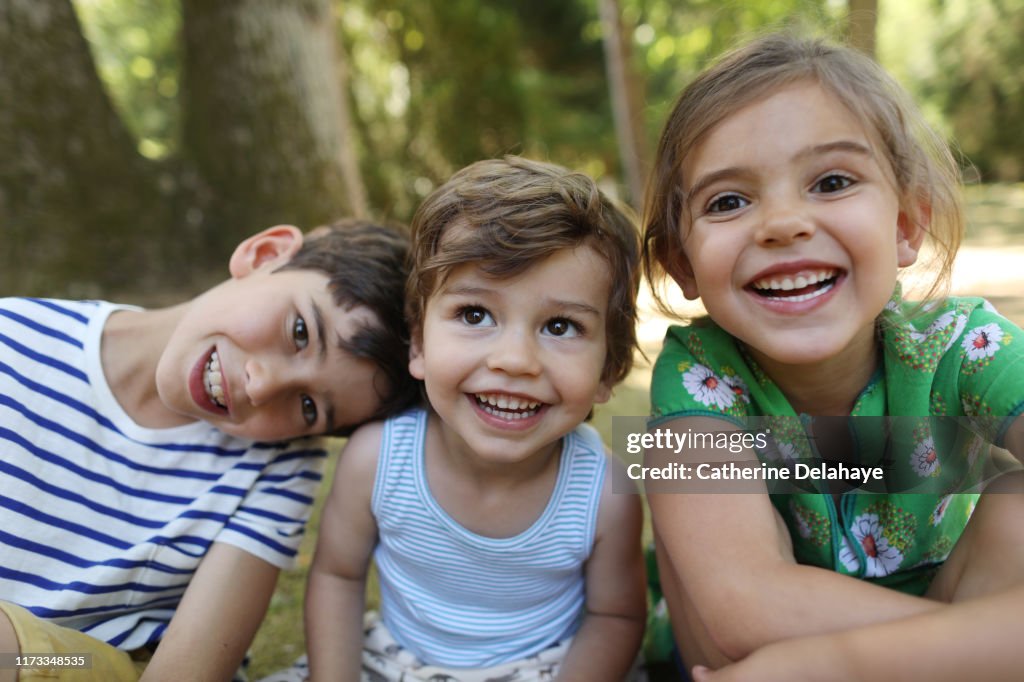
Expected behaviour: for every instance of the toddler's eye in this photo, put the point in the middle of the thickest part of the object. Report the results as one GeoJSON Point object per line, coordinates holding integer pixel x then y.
{"type": "Point", "coordinates": [724, 203]}
{"type": "Point", "coordinates": [475, 316]}
{"type": "Point", "coordinates": [309, 412]}
{"type": "Point", "coordinates": [832, 183]}
{"type": "Point", "coordinates": [299, 333]}
{"type": "Point", "coordinates": [561, 326]}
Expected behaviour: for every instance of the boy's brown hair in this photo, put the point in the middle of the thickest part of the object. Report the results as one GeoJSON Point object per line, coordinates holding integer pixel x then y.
{"type": "Point", "coordinates": [365, 264]}
{"type": "Point", "coordinates": [513, 213]}
{"type": "Point", "coordinates": [925, 175]}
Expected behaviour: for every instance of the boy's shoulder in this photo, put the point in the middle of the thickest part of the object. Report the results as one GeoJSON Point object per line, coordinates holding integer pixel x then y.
{"type": "Point", "coordinates": [69, 312]}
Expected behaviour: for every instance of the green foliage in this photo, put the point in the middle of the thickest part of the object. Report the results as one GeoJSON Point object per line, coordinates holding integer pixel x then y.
{"type": "Point", "coordinates": [137, 52]}
{"type": "Point", "coordinates": [439, 85]}
{"type": "Point", "coordinates": [434, 86]}
{"type": "Point", "coordinates": [676, 40]}
{"type": "Point", "coordinates": [979, 78]}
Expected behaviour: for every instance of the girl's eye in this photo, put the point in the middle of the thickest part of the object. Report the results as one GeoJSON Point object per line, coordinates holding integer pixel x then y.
{"type": "Point", "coordinates": [475, 316]}
{"type": "Point", "coordinates": [563, 327]}
{"type": "Point", "coordinates": [309, 412]}
{"type": "Point", "coordinates": [832, 183]}
{"type": "Point", "coordinates": [725, 203]}
{"type": "Point", "coordinates": [299, 333]}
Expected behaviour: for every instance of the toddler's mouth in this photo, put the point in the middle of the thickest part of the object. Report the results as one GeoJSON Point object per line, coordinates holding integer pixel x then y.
{"type": "Point", "coordinates": [798, 287]}
{"type": "Point", "coordinates": [507, 406]}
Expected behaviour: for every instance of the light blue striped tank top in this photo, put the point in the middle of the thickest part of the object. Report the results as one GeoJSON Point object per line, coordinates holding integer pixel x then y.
{"type": "Point", "coordinates": [456, 598]}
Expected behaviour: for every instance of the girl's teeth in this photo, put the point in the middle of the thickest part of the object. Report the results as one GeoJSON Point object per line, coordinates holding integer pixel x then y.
{"type": "Point", "coordinates": [806, 297]}
{"type": "Point", "coordinates": [799, 282]}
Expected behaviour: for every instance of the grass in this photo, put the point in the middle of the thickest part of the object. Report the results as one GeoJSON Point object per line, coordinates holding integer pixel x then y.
{"type": "Point", "coordinates": [995, 235]}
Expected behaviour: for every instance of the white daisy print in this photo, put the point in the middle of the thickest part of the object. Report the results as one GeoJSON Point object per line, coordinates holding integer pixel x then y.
{"type": "Point", "coordinates": [961, 324]}
{"type": "Point", "coordinates": [983, 342]}
{"type": "Point", "coordinates": [779, 451]}
{"type": "Point", "coordinates": [882, 558]}
{"type": "Point", "coordinates": [924, 459]}
{"type": "Point", "coordinates": [708, 388]}
{"type": "Point", "coordinates": [737, 386]}
{"type": "Point", "coordinates": [940, 323]}
{"type": "Point", "coordinates": [940, 510]}
{"type": "Point", "coordinates": [848, 556]}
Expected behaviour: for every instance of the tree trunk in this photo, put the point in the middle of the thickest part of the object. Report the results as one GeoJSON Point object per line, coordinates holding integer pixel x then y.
{"type": "Point", "coordinates": [74, 194]}
{"type": "Point", "coordinates": [863, 20]}
{"type": "Point", "coordinates": [625, 92]}
{"type": "Point", "coordinates": [263, 118]}
{"type": "Point", "coordinates": [83, 214]}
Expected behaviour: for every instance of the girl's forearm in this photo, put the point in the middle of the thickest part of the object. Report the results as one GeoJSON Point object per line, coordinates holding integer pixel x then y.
{"type": "Point", "coordinates": [972, 640]}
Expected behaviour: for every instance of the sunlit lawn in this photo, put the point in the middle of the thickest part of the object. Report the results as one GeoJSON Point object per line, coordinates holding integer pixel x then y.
{"type": "Point", "coordinates": [996, 223]}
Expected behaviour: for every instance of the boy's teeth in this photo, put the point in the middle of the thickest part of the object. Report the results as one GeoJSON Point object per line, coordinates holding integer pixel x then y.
{"type": "Point", "coordinates": [212, 380]}
{"type": "Point", "coordinates": [804, 279]}
{"type": "Point", "coordinates": [507, 406]}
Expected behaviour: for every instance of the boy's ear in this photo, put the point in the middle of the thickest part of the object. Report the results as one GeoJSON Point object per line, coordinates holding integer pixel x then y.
{"type": "Point", "coordinates": [416, 356]}
{"type": "Point", "coordinates": [274, 246]}
{"type": "Point", "coordinates": [604, 393]}
{"type": "Point", "coordinates": [682, 273]}
{"type": "Point", "coordinates": [910, 232]}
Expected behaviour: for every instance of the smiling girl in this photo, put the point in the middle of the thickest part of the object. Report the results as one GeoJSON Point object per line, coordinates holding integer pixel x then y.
{"type": "Point", "coordinates": [794, 180]}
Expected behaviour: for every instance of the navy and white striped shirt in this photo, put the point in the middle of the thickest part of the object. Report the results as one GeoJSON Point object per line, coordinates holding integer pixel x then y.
{"type": "Point", "coordinates": [456, 598]}
{"type": "Point", "coordinates": [103, 522]}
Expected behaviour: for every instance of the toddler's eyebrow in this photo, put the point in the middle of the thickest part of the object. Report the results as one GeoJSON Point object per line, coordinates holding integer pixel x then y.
{"type": "Point", "coordinates": [582, 308]}
{"type": "Point", "coordinates": [464, 291]}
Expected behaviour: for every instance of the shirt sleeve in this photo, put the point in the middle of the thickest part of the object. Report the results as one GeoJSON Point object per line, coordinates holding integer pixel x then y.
{"type": "Point", "coordinates": [696, 374]}
{"type": "Point", "coordinates": [270, 521]}
{"type": "Point", "coordinates": [991, 378]}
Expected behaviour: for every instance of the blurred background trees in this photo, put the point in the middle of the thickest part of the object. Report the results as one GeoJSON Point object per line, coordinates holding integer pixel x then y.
{"type": "Point", "coordinates": [142, 140]}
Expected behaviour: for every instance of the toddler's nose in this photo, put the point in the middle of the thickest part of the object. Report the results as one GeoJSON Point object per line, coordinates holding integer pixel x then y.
{"type": "Point", "coordinates": [514, 352]}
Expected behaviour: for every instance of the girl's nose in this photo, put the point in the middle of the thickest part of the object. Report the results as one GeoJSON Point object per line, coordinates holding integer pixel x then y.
{"type": "Point", "coordinates": [514, 352]}
{"type": "Point", "coordinates": [784, 221]}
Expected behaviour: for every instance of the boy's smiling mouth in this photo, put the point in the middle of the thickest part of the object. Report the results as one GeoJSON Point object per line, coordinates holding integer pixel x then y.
{"type": "Point", "coordinates": [796, 287]}
{"type": "Point", "coordinates": [213, 381]}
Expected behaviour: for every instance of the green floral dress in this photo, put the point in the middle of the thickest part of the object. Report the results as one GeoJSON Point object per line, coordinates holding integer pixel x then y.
{"type": "Point", "coordinates": [959, 358]}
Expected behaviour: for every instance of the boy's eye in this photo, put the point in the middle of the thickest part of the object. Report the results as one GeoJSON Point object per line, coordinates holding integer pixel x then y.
{"type": "Point", "coordinates": [475, 316]}
{"type": "Point", "coordinates": [724, 203]}
{"type": "Point", "coordinates": [309, 412]}
{"type": "Point", "coordinates": [832, 183]}
{"type": "Point", "coordinates": [299, 333]}
{"type": "Point", "coordinates": [561, 326]}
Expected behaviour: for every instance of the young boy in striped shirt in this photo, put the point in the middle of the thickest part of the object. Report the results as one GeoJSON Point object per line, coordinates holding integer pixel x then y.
{"type": "Point", "coordinates": [157, 466]}
{"type": "Point", "coordinates": [489, 512]}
